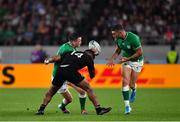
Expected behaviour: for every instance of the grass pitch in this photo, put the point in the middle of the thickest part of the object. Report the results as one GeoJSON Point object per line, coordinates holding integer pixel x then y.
{"type": "Point", "coordinates": [150, 105]}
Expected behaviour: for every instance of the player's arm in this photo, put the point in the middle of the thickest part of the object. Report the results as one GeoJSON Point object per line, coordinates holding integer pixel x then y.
{"type": "Point", "coordinates": [136, 45]}
{"type": "Point", "coordinates": [52, 59]}
{"type": "Point", "coordinates": [136, 55]}
{"type": "Point", "coordinates": [91, 69]}
{"type": "Point", "coordinates": [116, 53]}
{"type": "Point", "coordinates": [114, 56]}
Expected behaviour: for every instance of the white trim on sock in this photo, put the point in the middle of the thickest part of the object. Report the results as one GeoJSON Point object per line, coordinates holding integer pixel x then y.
{"type": "Point", "coordinates": [125, 88]}
{"type": "Point", "coordinates": [82, 96]}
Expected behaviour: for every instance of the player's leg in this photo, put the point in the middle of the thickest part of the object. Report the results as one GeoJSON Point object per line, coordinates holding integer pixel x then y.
{"type": "Point", "coordinates": [76, 78]}
{"type": "Point", "coordinates": [126, 77]}
{"type": "Point", "coordinates": [67, 98]}
{"type": "Point", "coordinates": [47, 98]}
{"type": "Point", "coordinates": [136, 69]}
{"type": "Point", "coordinates": [56, 84]}
{"type": "Point", "coordinates": [134, 77]}
{"type": "Point", "coordinates": [82, 97]}
{"type": "Point", "coordinates": [85, 86]}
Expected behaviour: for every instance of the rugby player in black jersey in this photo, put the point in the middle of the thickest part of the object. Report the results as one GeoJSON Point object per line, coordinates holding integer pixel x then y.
{"type": "Point", "coordinates": [71, 62]}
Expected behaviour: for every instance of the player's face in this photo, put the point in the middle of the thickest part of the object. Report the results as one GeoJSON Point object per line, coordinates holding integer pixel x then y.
{"type": "Point", "coordinates": [116, 34]}
{"type": "Point", "coordinates": [77, 42]}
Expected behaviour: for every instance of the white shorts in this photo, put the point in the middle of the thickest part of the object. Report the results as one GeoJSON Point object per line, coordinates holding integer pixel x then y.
{"type": "Point", "coordinates": [136, 66]}
{"type": "Point", "coordinates": [64, 87]}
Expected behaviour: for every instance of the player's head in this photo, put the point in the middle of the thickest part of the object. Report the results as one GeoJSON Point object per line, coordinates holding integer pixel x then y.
{"type": "Point", "coordinates": [75, 39]}
{"type": "Point", "coordinates": [117, 31]}
{"type": "Point", "coordinates": [94, 49]}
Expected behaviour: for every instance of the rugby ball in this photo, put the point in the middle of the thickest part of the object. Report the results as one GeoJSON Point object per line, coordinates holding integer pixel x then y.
{"type": "Point", "coordinates": [95, 45]}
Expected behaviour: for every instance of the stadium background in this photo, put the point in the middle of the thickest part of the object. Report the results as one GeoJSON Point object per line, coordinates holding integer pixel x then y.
{"type": "Point", "coordinates": [26, 23]}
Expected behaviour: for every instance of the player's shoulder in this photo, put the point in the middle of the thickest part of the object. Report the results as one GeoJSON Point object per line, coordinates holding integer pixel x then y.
{"type": "Point", "coordinates": [62, 48]}
{"type": "Point", "coordinates": [64, 45]}
{"type": "Point", "coordinates": [133, 35]}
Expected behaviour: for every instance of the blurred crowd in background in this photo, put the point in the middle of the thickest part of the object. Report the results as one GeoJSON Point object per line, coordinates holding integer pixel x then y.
{"type": "Point", "coordinates": [47, 22]}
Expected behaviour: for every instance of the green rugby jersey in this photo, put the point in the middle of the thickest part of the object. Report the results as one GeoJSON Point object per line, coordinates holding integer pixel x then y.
{"type": "Point", "coordinates": [129, 45]}
{"type": "Point", "coordinates": [66, 47]}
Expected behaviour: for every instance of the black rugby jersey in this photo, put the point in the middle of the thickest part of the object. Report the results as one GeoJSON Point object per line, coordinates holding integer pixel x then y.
{"type": "Point", "coordinates": [77, 60]}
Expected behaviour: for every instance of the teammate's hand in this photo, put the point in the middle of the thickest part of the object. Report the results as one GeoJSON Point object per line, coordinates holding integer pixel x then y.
{"type": "Point", "coordinates": [46, 61]}
{"type": "Point", "coordinates": [110, 62]}
{"type": "Point", "coordinates": [123, 59]}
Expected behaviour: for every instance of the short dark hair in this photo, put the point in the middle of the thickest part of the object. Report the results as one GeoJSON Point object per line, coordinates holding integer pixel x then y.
{"type": "Point", "coordinates": [117, 27]}
{"type": "Point", "coordinates": [73, 36]}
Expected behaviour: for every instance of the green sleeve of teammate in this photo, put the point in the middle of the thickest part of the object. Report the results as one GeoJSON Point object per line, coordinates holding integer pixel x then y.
{"type": "Point", "coordinates": [60, 51]}
{"type": "Point", "coordinates": [65, 48]}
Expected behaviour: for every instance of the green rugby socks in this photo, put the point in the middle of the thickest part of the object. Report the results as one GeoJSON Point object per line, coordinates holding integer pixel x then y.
{"type": "Point", "coordinates": [82, 99]}
{"type": "Point", "coordinates": [125, 92]}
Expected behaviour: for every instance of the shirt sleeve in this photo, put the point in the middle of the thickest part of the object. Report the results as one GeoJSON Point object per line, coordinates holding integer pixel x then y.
{"type": "Point", "coordinates": [63, 50]}
{"type": "Point", "coordinates": [117, 41]}
{"type": "Point", "coordinates": [136, 43]}
{"type": "Point", "coordinates": [60, 51]}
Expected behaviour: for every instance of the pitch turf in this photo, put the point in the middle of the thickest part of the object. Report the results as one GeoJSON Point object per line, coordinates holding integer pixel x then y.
{"type": "Point", "coordinates": [151, 105]}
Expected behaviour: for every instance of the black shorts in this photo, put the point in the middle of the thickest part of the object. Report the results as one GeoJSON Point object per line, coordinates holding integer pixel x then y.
{"type": "Point", "coordinates": [66, 74]}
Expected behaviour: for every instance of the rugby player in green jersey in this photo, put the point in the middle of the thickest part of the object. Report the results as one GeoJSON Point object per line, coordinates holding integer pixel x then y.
{"type": "Point", "coordinates": [72, 45]}
{"type": "Point", "coordinates": [132, 61]}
